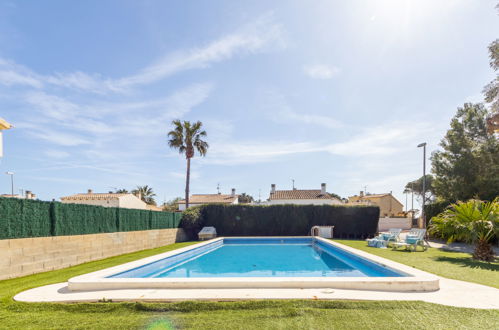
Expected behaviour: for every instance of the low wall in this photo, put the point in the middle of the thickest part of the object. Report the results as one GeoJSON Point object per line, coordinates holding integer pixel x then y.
{"type": "Point", "coordinates": [387, 223]}
{"type": "Point", "coordinates": [25, 256]}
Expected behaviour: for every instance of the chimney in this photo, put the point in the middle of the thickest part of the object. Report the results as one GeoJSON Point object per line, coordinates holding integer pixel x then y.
{"type": "Point", "coordinates": [233, 193]}
{"type": "Point", "coordinates": [138, 195]}
{"type": "Point", "coordinates": [361, 194]}
{"type": "Point", "coordinates": [90, 191]}
{"type": "Point", "coordinates": [29, 195]}
{"type": "Point", "coordinates": [323, 188]}
{"type": "Point", "coordinates": [272, 188]}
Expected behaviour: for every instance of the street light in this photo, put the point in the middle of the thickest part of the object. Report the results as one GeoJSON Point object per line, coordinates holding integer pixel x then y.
{"type": "Point", "coordinates": [11, 182]}
{"type": "Point", "coordinates": [423, 215]}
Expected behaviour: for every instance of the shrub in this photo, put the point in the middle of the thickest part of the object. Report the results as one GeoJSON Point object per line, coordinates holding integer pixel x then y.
{"type": "Point", "coordinates": [192, 221]}
{"type": "Point", "coordinates": [474, 221]}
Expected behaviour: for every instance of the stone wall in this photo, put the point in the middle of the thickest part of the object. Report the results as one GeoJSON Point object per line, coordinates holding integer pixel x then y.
{"type": "Point", "coordinates": [387, 223]}
{"type": "Point", "coordinates": [24, 256]}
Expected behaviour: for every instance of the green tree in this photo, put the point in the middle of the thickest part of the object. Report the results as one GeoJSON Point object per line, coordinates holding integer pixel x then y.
{"type": "Point", "coordinates": [121, 191]}
{"type": "Point", "coordinates": [245, 199]}
{"type": "Point", "coordinates": [187, 138]}
{"type": "Point", "coordinates": [491, 90]}
{"type": "Point", "coordinates": [474, 222]}
{"type": "Point", "coordinates": [416, 187]}
{"type": "Point", "coordinates": [146, 194]}
{"type": "Point", "coordinates": [172, 205]}
{"type": "Point", "coordinates": [468, 163]}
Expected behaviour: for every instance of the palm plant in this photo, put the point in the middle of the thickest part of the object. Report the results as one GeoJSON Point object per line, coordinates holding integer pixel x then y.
{"type": "Point", "coordinates": [474, 221]}
{"type": "Point", "coordinates": [146, 194]}
{"type": "Point", "coordinates": [187, 138]}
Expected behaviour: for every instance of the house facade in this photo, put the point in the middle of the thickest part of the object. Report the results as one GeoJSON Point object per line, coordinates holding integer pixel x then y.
{"type": "Point", "coordinates": [388, 205]}
{"type": "Point", "coordinates": [301, 196]}
{"type": "Point", "coordinates": [126, 201]}
{"type": "Point", "coordinates": [3, 126]}
{"type": "Point", "coordinates": [202, 199]}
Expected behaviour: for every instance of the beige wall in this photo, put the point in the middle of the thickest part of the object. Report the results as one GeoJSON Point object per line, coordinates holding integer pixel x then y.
{"type": "Point", "coordinates": [126, 202]}
{"type": "Point", "coordinates": [24, 256]}
{"type": "Point", "coordinates": [388, 205]}
{"type": "Point", "coordinates": [132, 202]}
{"type": "Point", "coordinates": [96, 202]}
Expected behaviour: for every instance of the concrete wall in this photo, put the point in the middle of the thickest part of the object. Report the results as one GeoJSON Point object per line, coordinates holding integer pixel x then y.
{"type": "Point", "coordinates": [387, 223]}
{"type": "Point", "coordinates": [24, 256]}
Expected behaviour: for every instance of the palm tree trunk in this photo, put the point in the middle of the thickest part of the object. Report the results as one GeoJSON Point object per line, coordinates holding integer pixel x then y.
{"type": "Point", "coordinates": [483, 251]}
{"type": "Point", "coordinates": [187, 179]}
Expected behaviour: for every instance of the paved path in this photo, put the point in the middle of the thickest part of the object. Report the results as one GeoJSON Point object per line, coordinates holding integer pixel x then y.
{"type": "Point", "coordinates": [451, 293]}
{"type": "Point", "coordinates": [460, 247]}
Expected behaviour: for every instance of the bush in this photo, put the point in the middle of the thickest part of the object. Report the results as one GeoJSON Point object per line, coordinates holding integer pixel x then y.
{"type": "Point", "coordinates": [434, 209]}
{"type": "Point", "coordinates": [192, 221]}
{"type": "Point", "coordinates": [282, 220]}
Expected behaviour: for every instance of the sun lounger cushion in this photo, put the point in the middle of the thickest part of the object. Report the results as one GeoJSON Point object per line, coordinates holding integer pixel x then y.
{"type": "Point", "coordinates": [386, 237]}
{"type": "Point", "coordinates": [411, 239]}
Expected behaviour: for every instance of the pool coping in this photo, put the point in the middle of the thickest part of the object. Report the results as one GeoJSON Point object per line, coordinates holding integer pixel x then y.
{"type": "Point", "coordinates": [417, 281]}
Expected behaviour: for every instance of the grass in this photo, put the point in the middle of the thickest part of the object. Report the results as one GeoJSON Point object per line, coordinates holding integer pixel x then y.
{"type": "Point", "coordinates": [290, 314]}
{"type": "Point", "coordinates": [454, 265]}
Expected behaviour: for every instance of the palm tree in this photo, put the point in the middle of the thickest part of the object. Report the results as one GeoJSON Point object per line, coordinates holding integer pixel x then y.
{"type": "Point", "coordinates": [121, 191]}
{"type": "Point", "coordinates": [187, 138]}
{"type": "Point", "coordinates": [474, 222]}
{"type": "Point", "coordinates": [146, 194]}
{"type": "Point", "coordinates": [245, 199]}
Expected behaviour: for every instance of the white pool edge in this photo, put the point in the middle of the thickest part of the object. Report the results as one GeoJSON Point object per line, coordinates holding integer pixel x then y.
{"type": "Point", "coordinates": [418, 281]}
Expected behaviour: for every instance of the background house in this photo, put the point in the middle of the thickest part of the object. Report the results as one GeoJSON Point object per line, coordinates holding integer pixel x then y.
{"type": "Point", "coordinates": [201, 199]}
{"type": "Point", "coordinates": [3, 126]}
{"type": "Point", "coordinates": [27, 195]}
{"type": "Point", "coordinates": [388, 205]}
{"type": "Point", "coordinates": [301, 196]}
{"type": "Point", "coordinates": [127, 201]}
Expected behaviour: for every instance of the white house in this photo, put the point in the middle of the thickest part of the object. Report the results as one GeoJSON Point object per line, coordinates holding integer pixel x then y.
{"type": "Point", "coordinates": [126, 201]}
{"type": "Point", "coordinates": [302, 196]}
{"type": "Point", "coordinates": [201, 199]}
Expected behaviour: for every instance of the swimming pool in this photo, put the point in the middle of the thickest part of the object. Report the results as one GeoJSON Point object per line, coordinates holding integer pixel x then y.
{"type": "Point", "coordinates": [263, 262]}
{"type": "Point", "coordinates": [263, 257]}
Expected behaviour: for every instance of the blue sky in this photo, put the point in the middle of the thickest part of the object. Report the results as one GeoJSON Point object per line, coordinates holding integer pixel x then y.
{"type": "Point", "coordinates": [316, 91]}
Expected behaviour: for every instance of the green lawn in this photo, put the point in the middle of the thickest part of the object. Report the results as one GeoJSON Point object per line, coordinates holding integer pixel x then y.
{"type": "Point", "coordinates": [292, 314]}
{"type": "Point", "coordinates": [455, 265]}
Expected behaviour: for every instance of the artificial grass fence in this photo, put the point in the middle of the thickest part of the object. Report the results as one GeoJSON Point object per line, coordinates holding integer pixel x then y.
{"type": "Point", "coordinates": [20, 218]}
{"type": "Point", "coordinates": [282, 220]}
{"type": "Point", "coordinates": [289, 314]}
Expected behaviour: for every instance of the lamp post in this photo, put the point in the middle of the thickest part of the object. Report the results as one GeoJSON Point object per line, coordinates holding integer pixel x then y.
{"type": "Point", "coordinates": [11, 182]}
{"type": "Point", "coordinates": [423, 215]}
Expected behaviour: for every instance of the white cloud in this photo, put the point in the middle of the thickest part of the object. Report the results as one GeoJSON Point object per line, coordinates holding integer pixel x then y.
{"type": "Point", "coordinates": [387, 140]}
{"type": "Point", "coordinates": [59, 138]}
{"type": "Point", "coordinates": [277, 108]}
{"type": "Point", "coordinates": [57, 154]}
{"type": "Point", "coordinates": [321, 71]}
{"type": "Point", "coordinates": [253, 38]}
{"type": "Point", "coordinates": [258, 36]}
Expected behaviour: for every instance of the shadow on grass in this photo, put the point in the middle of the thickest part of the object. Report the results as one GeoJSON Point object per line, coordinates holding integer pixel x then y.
{"type": "Point", "coordinates": [468, 262]}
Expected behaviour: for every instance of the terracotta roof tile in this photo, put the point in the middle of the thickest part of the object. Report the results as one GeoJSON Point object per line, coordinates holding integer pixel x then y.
{"type": "Point", "coordinates": [210, 198]}
{"type": "Point", "coordinates": [299, 194]}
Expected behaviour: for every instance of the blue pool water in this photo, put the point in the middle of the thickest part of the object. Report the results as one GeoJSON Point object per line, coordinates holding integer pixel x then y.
{"type": "Point", "coordinates": [262, 257]}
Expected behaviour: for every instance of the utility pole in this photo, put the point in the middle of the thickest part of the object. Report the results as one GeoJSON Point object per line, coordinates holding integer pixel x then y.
{"type": "Point", "coordinates": [293, 183]}
{"type": "Point", "coordinates": [423, 215]}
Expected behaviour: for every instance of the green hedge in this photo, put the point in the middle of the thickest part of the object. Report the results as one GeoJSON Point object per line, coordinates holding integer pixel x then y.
{"type": "Point", "coordinates": [283, 220]}
{"type": "Point", "coordinates": [21, 218]}
{"type": "Point", "coordinates": [24, 218]}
